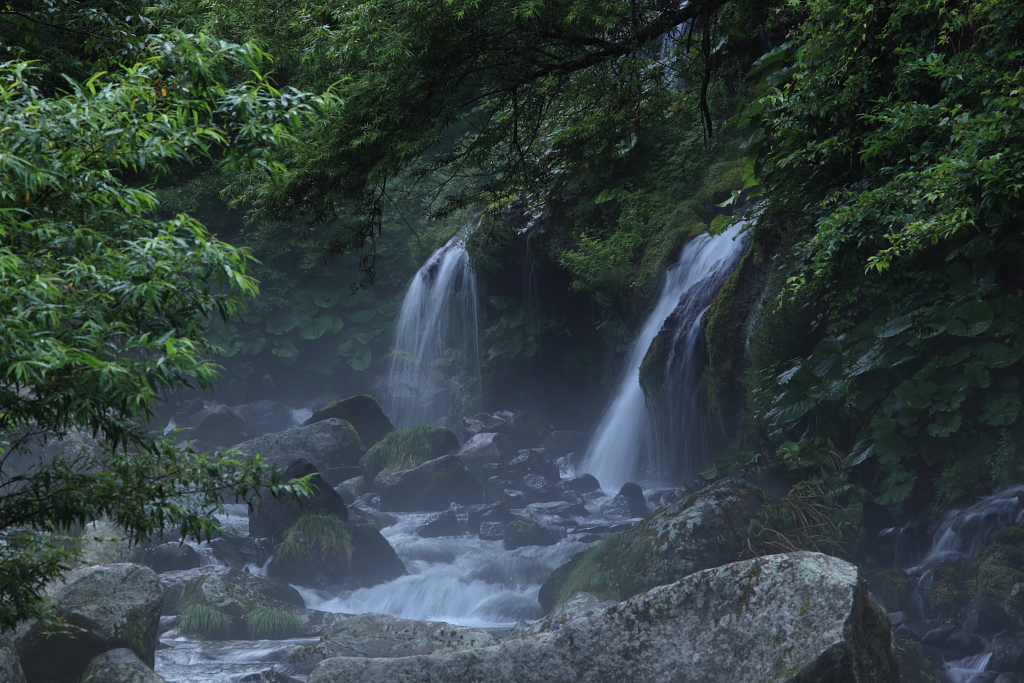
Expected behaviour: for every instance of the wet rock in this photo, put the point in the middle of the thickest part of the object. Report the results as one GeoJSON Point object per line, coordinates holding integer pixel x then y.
{"type": "Point", "coordinates": [362, 412]}
{"type": "Point", "coordinates": [558, 509]}
{"type": "Point", "coordinates": [494, 489]}
{"type": "Point", "coordinates": [531, 462]}
{"type": "Point", "coordinates": [486, 448]}
{"type": "Point", "coordinates": [1007, 654]}
{"type": "Point", "coordinates": [568, 496]}
{"type": "Point", "coordinates": [524, 430]}
{"type": "Point", "coordinates": [10, 667]}
{"type": "Point", "coordinates": [431, 487]}
{"type": "Point", "coordinates": [331, 445]}
{"type": "Point", "coordinates": [703, 530]}
{"type": "Point", "coordinates": [251, 588]}
{"type": "Point", "coordinates": [119, 666]}
{"type": "Point", "coordinates": [1007, 678]}
{"type": "Point", "coordinates": [634, 497]}
{"type": "Point", "coordinates": [493, 512]}
{"type": "Point", "coordinates": [515, 499]}
{"type": "Point", "coordinates": [798, 617]}
{"type": "Point", "coordinates": [443, 524]}
{"type": "Point", "coordinates": [492, 531]}
{"type": "Point", "coordinates": [270, 518]}
{"type": "Point", "coordinates": [380, 635]}
{"type": "Point", "coordinates": [522, 532]}
{"type": "Point", "coordinates": [963, 644]}
{"type": "Point", "coordinates": [217, 427]}
{"type": "Point", "coordinates": [539, 488]}
{"type": "Point", "coordinates": [559, 444]}
{"type": "Point", "coordinates": [267, 416]}
{"type": "Point", "coordinates": [186, 410]}
{"type": "Point", "coordinates": [268, 676]}
{"type": "Point", "coordinates": [938, 634]}
{"type": "Point", "coordinates": [239, 552]}
{"type": "Point", "coordinates": [169, 557]}
{"type": "Point", "coordinates": [585, 483]}
{"type": "Point", "coordinates": [107, 607]}
{"type": "Point", "coordinates": [986, 616]}
{"type": "Point", "coordinates": [661, 498]}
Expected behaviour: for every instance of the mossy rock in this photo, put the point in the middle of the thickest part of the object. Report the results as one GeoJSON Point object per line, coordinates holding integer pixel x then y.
{"type": "Point", "coordinates": [891, 587]}
{"type": "Point", "coordinates": [699, 531]}
{"type": "Point", "coordinates": [652, 368]}
{"type": "Point", "coordinates": [431, 487]}
{"type": "Point", "coordinates": [362, 412]}
{"type": "Point", "coordinates": [408, 448]}
{"type": "Point", "coordinates": [996, 572]}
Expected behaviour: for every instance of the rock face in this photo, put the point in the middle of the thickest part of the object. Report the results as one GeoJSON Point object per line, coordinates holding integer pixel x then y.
{"type": "Point", "coordinates": [331, 445]}
{"type": "Point", "coordinates": [794, 618]}
{"type": "Point", "coordinates": [362, 412]}
{"type": "Point", "coordinates": [699, 531]}
{"type": "Point", "coordinates": [270, 518]}
{"type": "Point", "coordinates": [218, 427]}
{"type": "Point", "coordinates": [119, 666]}
{"type": "Point", "coordinates": [431, 487]}
{"type": "Point", "coordinates": [115, 606]}
{"type": "Point", "coordinates": [380, 635]}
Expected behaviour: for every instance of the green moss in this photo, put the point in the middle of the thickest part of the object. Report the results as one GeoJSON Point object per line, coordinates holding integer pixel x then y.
{"type": "Point", "coordinates": [915, 667]}
{"type": "Point", "coordinates": [407, 448]}
{"type": "Point", "coordinates": [202, 621]}
{"type": "Point", "coordinates": [652, 370]}
{"type": "Point", "coordinates": [725, 331]}
{"type": "Point", "coordinates": [974, 458]}
{"type": "Point", "coordinates": [890, 585]}
{"type": "Point", "coordinates": [269, 623]}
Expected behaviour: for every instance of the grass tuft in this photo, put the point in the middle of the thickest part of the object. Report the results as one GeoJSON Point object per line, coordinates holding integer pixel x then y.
{"type": "Point", "coordinates": [269, 623]}
{"type": "Point", "coordinates": [404, 449]}
{"type": "Point", "coordinates": [202, 621]}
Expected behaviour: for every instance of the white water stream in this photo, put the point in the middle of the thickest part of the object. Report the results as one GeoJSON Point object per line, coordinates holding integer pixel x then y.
{"type": "Point", "coordinates": [625, 445]}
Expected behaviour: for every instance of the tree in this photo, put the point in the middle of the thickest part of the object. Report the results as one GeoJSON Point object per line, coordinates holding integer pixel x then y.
{"type": "Point", "coordinates": [103, 306]}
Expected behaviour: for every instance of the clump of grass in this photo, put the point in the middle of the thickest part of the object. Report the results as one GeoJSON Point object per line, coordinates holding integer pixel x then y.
{"type": "Point", "coordinates": [202, 621]}
{"type": "Point", "coordinates": [404, 449]}
{"type": "Point", "coordinates": [270, 623]}
{"type": "Point", "coordinates": [321, 533]}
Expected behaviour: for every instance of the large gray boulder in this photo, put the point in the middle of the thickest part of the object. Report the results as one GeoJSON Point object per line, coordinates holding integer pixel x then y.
{"type": "Point", "coordinates": [119, 666]}
{"type": "Point", "coordinates": [380, 635]}
{"type": "Point", "coordinates": [362, 412]}
{"type": "Point", "coordinates": [791, 618]}
{"type": "Point", "coordinates": [267, 416]}
{"type": "Point", "coordinates": [699, 531]}
{"type": "Point", "coordinates": [235, 585]}
{"type": "Point", "coordinates": [216, 427]}
{"type": "Point", "coordinates": [108, 607]}
{"type": "Point", "coordinates": [431, 487]}
{"type": "Point", "coordinates": [10, 667]}
{"type": "Point", "coordinates": [332, 445]}
{"type": "Point", "coordinates": [484, 448]}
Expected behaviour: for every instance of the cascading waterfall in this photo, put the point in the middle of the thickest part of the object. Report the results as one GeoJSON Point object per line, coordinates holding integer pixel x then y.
{"type": "Point", "coordinates": [435, 365]}
{"type": "Point", "coordinates": [627, 443]}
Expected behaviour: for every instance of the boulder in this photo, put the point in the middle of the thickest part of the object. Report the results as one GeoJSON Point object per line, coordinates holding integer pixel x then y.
{"type": "Point", "coordinates": [986, 616]}
{"type": "Point", "coordinates": [633, 496]}
{"type": "Point", "coordinates": [558, 508]}
{"type": "Point", "coordinates": [431, 487]}
{"type": "Point", "coordinates": [267, 416]}
{"type": "Point", "coordinates": [217, 427]}
{"type": "Point", "coordinates": [268, 676]}
{"type": "Point", "coordinates": [362, 412]}
{"type": "Point", "coordinates": [797, 617]}
{"type": "Point", "coordinates": [10, 667]}
{"type": "Point", "coordinates": [103, 542]}
{"type": "Point", "coordinates": [442, 524]}
{"type": "Point", "coordinates": [559, 444]}
{"type": "Point", "coordinates": [524, 430]}
{"type": "Point", "coordinates": [107, 607]}
{"type": "Point", "coordinates": [1007, 654]}
{"type": "Point", "coordinates": [169, 557]}
{"type": "Point", "coordinates": [247, 584]}
{"type": "Point", "coordinates": [492, 531]}
{"type": "Point", "coordinates": [579, 605]}
{"type": "Point", "coordinates": [270, 518]}
{"type": "Point", "coordinates": [241, 551]}
{"type": "Point", "coordinates": [119, 666]}
{"type": "Point", "coordinates": [491, 512]}
{"type": "Point", "coordinates": [522, 532]}
{"type": "Point", "coordinates": [488, 447]}
{"type": "Point", "coordinates": [380, 635]}
{"type": "Point", "coordinates": [702, 530]}
{"type": "Point", "coordinates": [186, 410]}
{"type": "Point", "coordinates": [585, 483]}
{"type": "Point", "coordinates": [331, 445]}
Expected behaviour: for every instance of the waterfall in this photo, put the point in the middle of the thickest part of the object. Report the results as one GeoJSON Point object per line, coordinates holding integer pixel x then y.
{"type": "Point", "coordinates": [435, 364]}
{"type": "Point", "coordinates": [627, 442]}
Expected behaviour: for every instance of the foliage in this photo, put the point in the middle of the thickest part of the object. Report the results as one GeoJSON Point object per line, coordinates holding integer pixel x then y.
{"type": "Point", "coordinates": [318, 534]}
{"type": "Point", "coordinates": [270, 623]}
{"type": "Point", "coordinates": [406, 448]}
{"type": "Point", "coordinates": [897, 159]}
{"type": "Point", "coordinates": [203, 621]}
{"type": "Point", "coordinates": [103, 306]}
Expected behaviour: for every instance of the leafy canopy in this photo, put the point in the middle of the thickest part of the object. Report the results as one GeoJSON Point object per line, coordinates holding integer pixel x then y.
{"type": "Point", "coordinates": [103, 306]}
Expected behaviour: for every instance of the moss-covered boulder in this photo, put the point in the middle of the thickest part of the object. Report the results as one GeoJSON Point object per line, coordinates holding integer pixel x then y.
{"type": "Point", "coordinates": [702, 530]}
{"type": "Point", "coordinates": [996, 571]}
{"type": "Point", "coordinates": [270, 517]}
{"type": "Point", "coordinates": [265, 588]}
{"type": "Point", "coordinates": [332, 445]}
{"type": "Point", "coordinates": [408, 448]}
{"type": "Point", "coordinates": [431, 487]}
{"type": "Point", "coordinates": [120, 666]}
{"type": "Point", "coordinates": [362, 412]}
{"type": "Point", "coordinates": [323, 552]}
{"type": "Point", "coordinates": [106, 607]}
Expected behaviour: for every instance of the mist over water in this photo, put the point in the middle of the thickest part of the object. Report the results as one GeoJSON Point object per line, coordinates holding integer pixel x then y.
{"type": "Point", "coordinates": [628, 444]}
{"type": "Point", "coordinates": [435, 364]}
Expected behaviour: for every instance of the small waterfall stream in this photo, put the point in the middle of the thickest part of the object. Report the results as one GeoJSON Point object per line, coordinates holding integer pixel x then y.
{"type": "Point", "coordinates": [435, 364]}
{"type": "Point", "coordinates": [626, 444]}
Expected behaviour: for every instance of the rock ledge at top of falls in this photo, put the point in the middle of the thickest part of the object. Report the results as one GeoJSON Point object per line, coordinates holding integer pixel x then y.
{"type": "Point", "coordinates": [798, 617]}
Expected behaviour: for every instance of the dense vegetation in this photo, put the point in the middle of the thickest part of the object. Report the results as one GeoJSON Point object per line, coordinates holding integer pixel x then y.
{"type": "Point", "coordinates": [882, 297]}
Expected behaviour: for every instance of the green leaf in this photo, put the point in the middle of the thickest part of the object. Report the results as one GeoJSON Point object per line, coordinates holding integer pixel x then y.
{"type": "Point", "coordinates": [895, 326]}
{"type": "Point", "coordinates": [996, 355]}
{"type": "Point", "coordinates": [1001, 409]}
{"type": "Point", "coordinates": [916, 393]}
{"type": "Point", "coordinates": [363, 316]}
{"type": "Point", "coordinates": [781, 416]}
{"type": "Point", "coordinates": [945, 424]}
{"type": "Point", "coordinates": [976, 374]}
{"type": "Point", "coordinates": [360, 360]}
{"type": "Point", "coordinates": [285, 349]}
